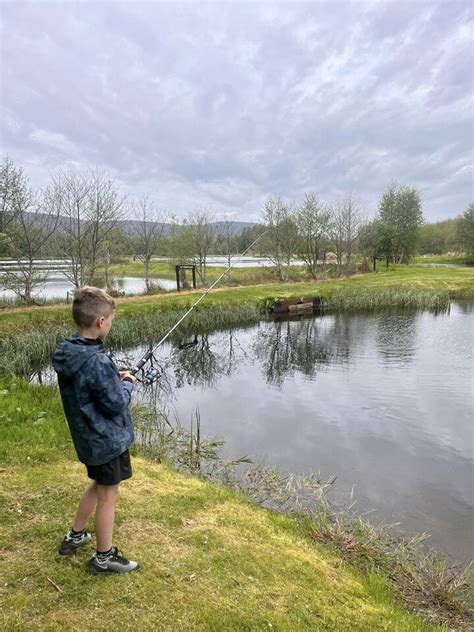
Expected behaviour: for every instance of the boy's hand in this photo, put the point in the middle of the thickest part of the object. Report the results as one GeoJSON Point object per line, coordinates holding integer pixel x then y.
{"type": "Point", "coordinates": [124, 374]}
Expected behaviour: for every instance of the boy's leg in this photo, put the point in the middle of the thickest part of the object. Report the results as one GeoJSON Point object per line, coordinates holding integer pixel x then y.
{"type": "Point", "coordinates": [77, 537]}
{"type": "Point", "coordinates": [107, 558]}
{"type": "Point", "coordinates": [107, 496]}
{"type": "Point", "coordinates": [86, 507]}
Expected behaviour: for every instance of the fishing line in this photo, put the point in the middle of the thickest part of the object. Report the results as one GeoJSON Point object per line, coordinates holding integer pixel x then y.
{"type": "Point", "coordinates": [153, 374]}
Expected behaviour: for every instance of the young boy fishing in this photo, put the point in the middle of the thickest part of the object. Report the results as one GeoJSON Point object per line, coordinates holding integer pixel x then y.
{"type": "Point", "coordinates": [95, 398]}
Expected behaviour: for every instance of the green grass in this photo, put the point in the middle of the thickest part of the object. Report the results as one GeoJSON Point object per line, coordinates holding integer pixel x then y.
{"type": "Point", "coordinates": [457, 282]}
{"type": "Point", "coordinates": [211, 559]}
{"type": "Point", "coordinates": [166, 270]}
{"type": "Point", "coordinates": [455, 259]}
{"type": "Point", "coordinates": [32, 424]}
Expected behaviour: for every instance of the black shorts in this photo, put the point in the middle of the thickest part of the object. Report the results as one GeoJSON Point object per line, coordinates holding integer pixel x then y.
{"type": "Point", "coordinates": [111, 473]}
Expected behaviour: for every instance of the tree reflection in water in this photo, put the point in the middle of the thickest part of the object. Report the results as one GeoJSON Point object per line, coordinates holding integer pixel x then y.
{"type": "Point", "coordinates": [206, 361]}
{"type": "Point", "coordinates": [286, 347]}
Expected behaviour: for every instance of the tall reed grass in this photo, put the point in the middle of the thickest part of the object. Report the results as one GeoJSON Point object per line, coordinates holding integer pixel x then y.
{"type": "Point", "coordinates": [30, 351]}
{"type": "Point", "coordinates": [372, 299]}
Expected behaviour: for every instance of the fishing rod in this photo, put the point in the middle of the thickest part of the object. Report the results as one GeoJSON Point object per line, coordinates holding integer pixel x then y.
{"type": "Point", "coordinates": [153, 373]}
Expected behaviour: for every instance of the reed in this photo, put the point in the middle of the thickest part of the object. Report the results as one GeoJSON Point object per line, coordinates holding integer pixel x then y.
{"type": "Point", "coordinates": [373, 299]}
{"type": "Point", "coordinates": [28, 352]}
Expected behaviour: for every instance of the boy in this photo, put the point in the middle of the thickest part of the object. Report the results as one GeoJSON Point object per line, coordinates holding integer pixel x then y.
{"type": "Point", "coordinates": [95, 398]}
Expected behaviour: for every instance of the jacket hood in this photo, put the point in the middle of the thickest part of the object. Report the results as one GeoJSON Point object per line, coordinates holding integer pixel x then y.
{"type": "Point", "coordinates": [73, 352]}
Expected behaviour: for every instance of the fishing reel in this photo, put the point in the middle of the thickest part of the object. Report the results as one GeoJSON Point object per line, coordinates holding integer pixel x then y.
{"type": "Point", "coordinates": [147, 375]}
{"type": "Point", "coordinates": [151, 375]}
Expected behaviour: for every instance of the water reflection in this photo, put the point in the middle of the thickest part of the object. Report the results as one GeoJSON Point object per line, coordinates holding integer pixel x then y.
{"type": "Point", "coordinates": [290, 346]}
{"type": "Point", "coordinates": [200, 364]}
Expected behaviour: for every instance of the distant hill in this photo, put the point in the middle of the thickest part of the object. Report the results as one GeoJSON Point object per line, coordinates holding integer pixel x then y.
{"type": "Point", "coordinates": [131, 226]}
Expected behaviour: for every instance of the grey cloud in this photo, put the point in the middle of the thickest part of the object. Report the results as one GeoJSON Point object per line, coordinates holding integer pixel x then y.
{"type": "Point", "coordinates": [222, 104]}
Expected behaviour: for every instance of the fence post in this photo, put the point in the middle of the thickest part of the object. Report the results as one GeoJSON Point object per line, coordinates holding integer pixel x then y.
{"type": "Point", "coordinates": [177, 279]}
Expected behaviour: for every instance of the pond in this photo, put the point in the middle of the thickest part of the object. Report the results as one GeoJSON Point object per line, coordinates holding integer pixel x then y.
{"type": "Point", "coordinates": [57, 287]}
{"type": "Point", "coordinates": [383, 401]}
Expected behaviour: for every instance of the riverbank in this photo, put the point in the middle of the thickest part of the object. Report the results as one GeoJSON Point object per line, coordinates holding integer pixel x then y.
{"type": "Point", "coordinates": [454, 283]}
{"type": "Point", "coordinates": [211, 558]}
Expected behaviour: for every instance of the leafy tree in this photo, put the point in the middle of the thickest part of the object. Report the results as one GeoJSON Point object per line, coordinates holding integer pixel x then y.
{"type": "Point", "coordinates": [401, 216]}
{"type": "Point", "coordinates": [281, 240]}
{"type": "Point", "coordinates": [11, 178]}
{"type": "Point", "coordinates": [248, 235]}
{"type": "Point", "coordinates": [36, 220]}
{"type": "Point", "coordinates": [313, 220]}
{"type": "Point", "coordinates": [372, 239]}
{"type": "Point", "coordinates": [438, 237]}
{"type": "Point", "coordinates": [466, 230]}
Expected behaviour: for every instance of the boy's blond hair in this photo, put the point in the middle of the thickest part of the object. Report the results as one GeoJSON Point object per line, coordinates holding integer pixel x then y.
{"type": "Point", "coordinates": [89, 303]}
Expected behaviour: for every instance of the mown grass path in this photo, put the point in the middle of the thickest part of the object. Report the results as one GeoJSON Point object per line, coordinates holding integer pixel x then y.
{"type": "Point", "coordinates": [210, 561]}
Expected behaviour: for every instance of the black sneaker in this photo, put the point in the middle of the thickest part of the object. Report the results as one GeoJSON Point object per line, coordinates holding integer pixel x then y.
{"type": "Point", "coordinates": [113, 563]}
{"type": "Point", "coordinates": [71, 544]}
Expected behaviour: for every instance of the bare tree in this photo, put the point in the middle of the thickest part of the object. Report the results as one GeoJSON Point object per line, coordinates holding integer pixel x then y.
{"type": "Point", "coordinates": [148, 234]}
{"type": "Point", "coordinates": [226, 240]}
{"type": "Point", "coordinates": [337, 234]}
{"type": "Point", "coordinates": [104, 210]}
{"type": "Point", "coordinates": [281, 241]}
{"type": "Point", "coordinates": [347, 221]}
{"type": "Point", "coordinates": [313, 219]}
{"type": "Point", "coordinates": [91, 209]}
{"type": "Point", "coordinates": [36, 220]}
{"type": "Point", "coordinates": [73, 190]}
{"type": "Point", "coordinates": [193, 240]}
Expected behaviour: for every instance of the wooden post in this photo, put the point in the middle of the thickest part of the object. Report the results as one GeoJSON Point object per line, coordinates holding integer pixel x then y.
{"type": "Point", "coordinates": [194, 277]}
{"type": "Point", "coordinates": [177, 279]}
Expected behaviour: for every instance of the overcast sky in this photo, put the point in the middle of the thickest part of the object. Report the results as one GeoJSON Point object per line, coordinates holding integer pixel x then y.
{"type": "Point", "coordinates": [220, 105]}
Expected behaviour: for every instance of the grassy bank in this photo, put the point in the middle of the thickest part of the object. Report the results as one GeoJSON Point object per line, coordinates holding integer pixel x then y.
{"type": "Point", "coordinates": [453, 282]}
{"type": "Point", "coordinates": [211, 559]}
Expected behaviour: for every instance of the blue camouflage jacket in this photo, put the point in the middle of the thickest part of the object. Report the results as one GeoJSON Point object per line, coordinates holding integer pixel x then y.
{"type": "Point", "coordinates": [94, 398]}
